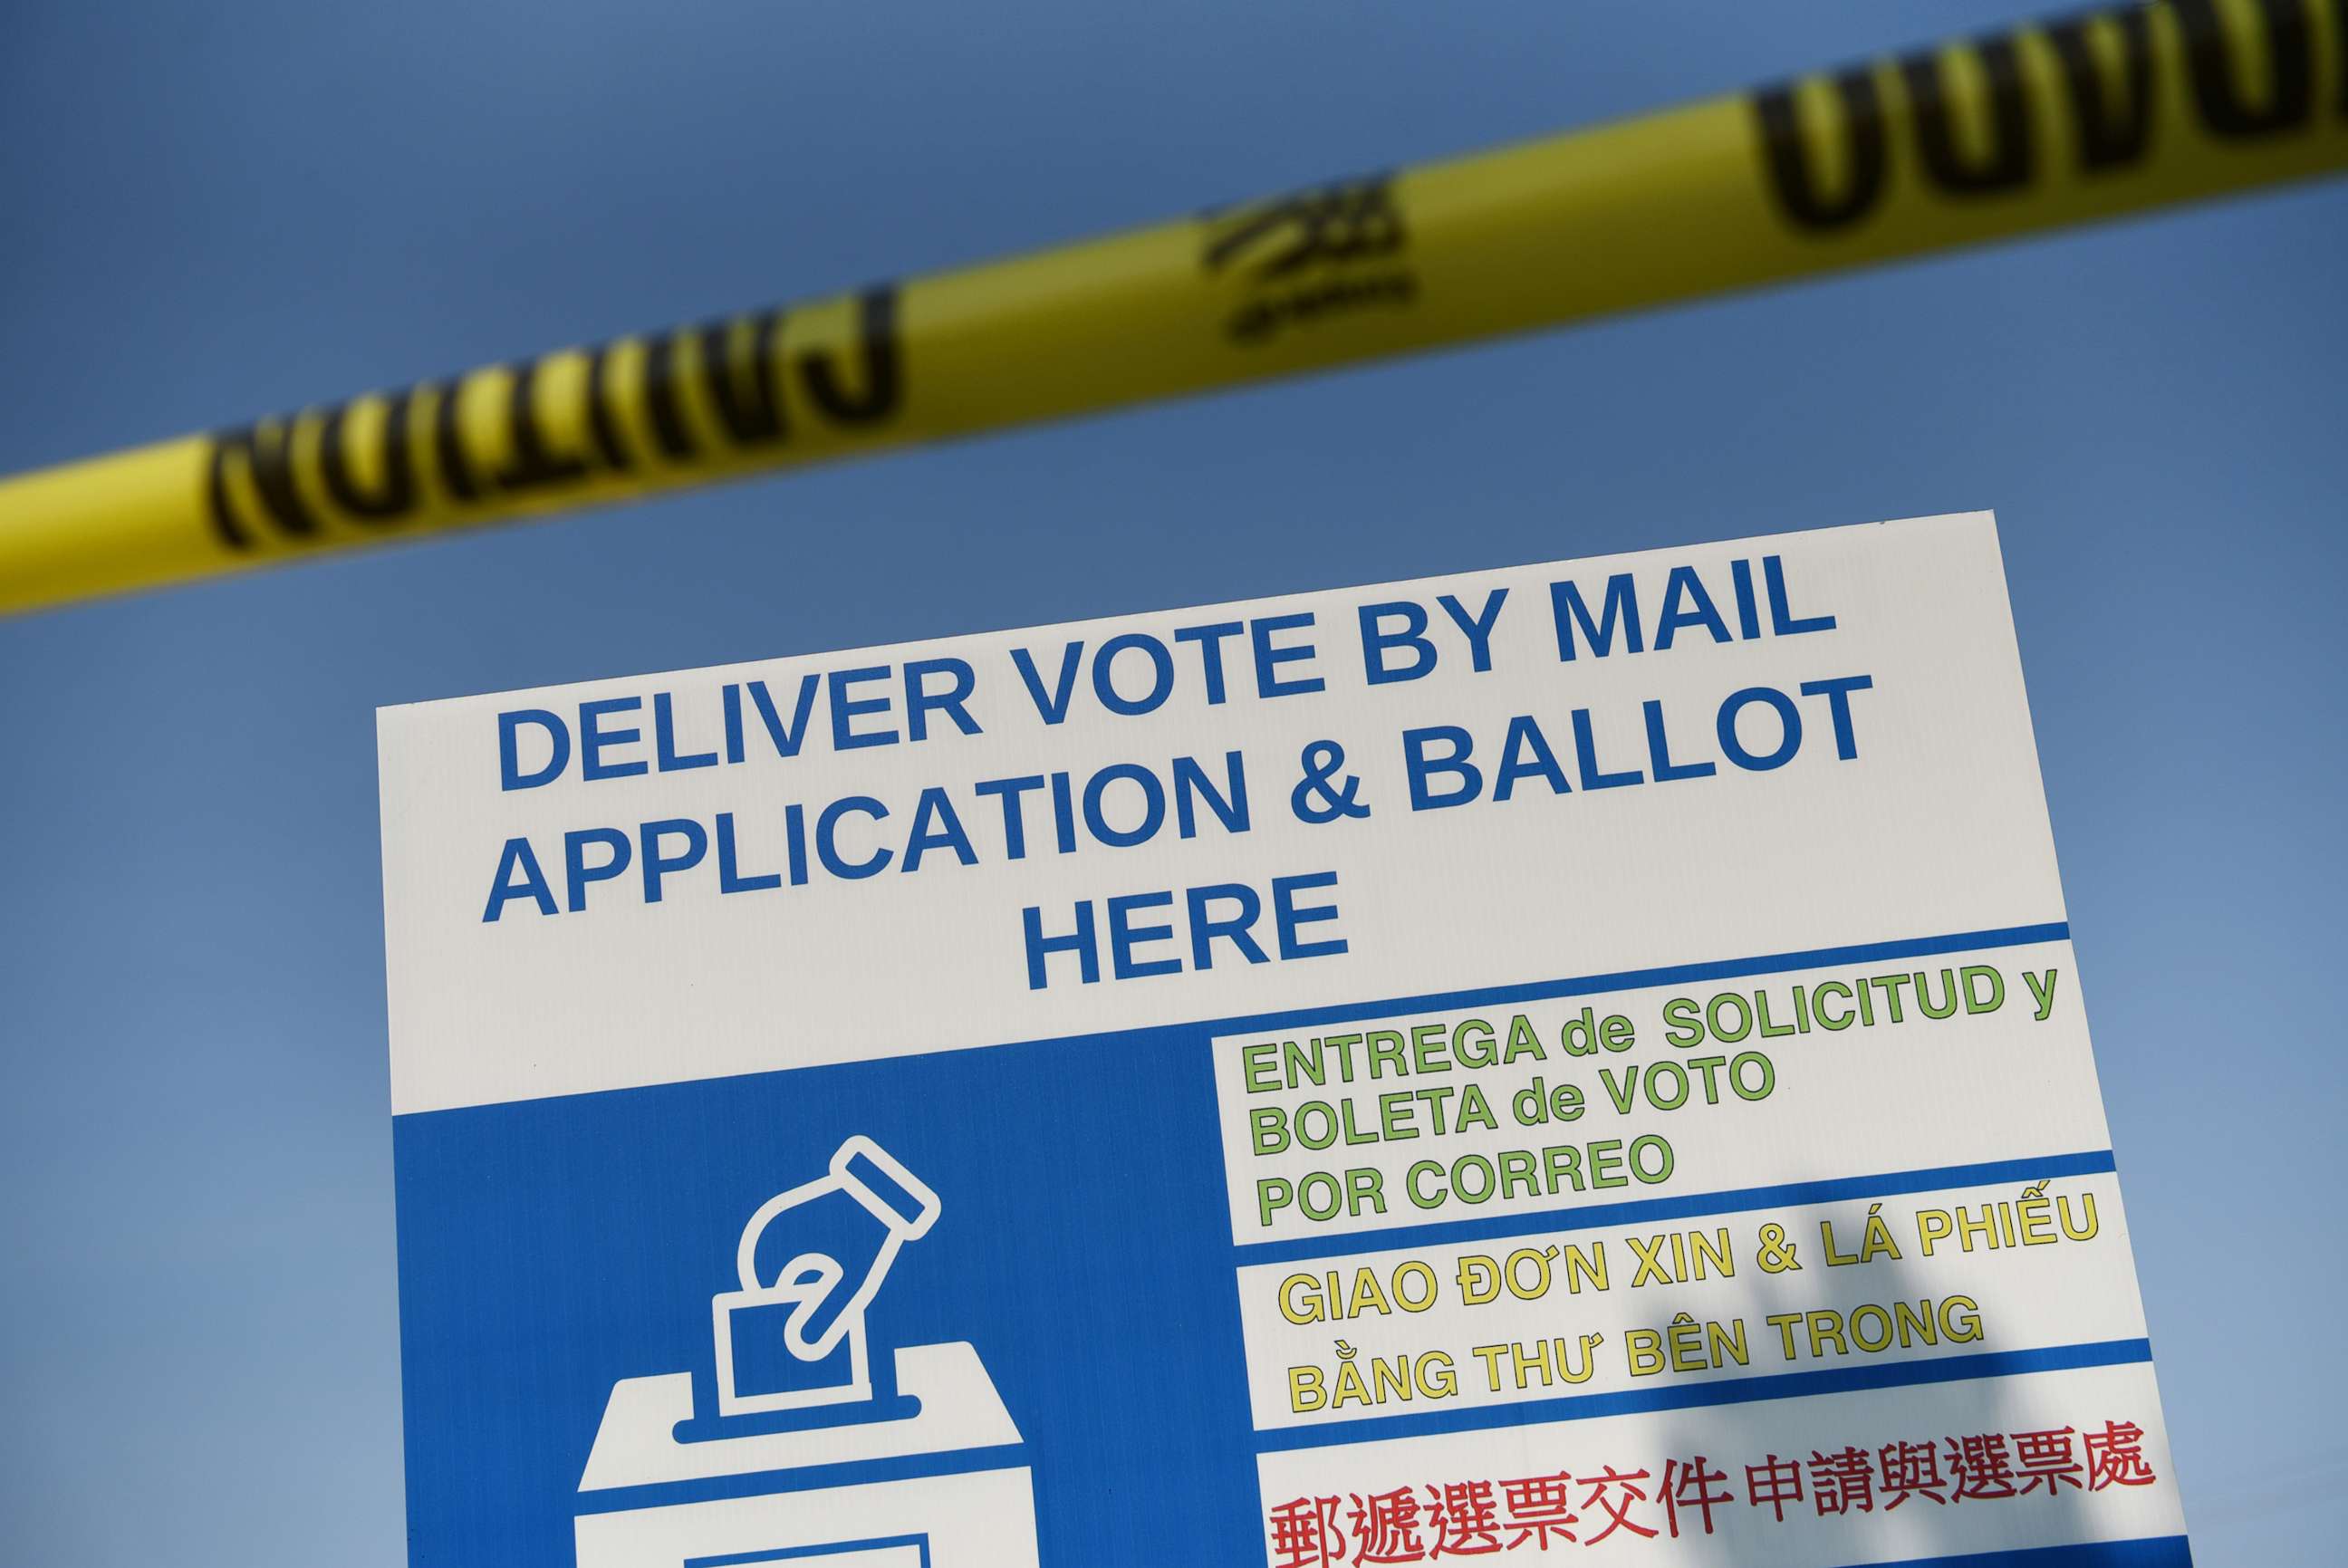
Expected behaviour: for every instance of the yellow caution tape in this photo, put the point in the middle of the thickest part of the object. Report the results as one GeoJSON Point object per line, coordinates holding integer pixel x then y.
{"type": "Point", "coordinates": [2059, 123]}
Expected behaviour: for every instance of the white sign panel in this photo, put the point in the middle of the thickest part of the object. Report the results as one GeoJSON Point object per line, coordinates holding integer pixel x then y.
{"type": "Point", "coordinates": [1578, 1056]}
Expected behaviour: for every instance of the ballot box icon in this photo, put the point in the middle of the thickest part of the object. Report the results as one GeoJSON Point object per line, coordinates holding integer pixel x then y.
{"type": "Point", "coordinates": [801, 1464]}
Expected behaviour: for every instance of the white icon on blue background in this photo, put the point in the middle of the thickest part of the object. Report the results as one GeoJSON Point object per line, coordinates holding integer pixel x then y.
{"type": "Point", "coordinates": [791, 1338]}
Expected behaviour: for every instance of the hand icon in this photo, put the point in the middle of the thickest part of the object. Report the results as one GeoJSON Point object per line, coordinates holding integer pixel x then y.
{"type": "Point", "coordinates": [826, 1245]}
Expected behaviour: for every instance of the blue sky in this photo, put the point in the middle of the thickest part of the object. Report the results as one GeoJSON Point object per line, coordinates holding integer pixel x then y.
{"type": "Point", "coordinates": [216, 211]}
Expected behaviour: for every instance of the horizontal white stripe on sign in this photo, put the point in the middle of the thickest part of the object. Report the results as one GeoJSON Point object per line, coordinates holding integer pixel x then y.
{"type": "Point", "coordinates": [1575, 1314]}
{"type": "Point", "coordinates": [1405, 790]}
{"type": "Point", "coordinates": [1893, 1475]}
{"type": "Point", "coordinates": [1479, 1111]}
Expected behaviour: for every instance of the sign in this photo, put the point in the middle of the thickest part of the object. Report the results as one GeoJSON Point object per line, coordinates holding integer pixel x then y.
{"type": "Point", "coordinates": [1574, 1058]}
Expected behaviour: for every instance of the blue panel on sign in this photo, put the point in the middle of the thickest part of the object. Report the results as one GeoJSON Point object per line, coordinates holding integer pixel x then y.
{"type": "Point", "coordinates": [1086, 1278]}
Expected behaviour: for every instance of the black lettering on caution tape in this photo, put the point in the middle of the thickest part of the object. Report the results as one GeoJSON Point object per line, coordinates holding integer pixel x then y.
{"type": "Point", "coordinates": [2111, 135]}
{"type": "Point", "coordinates": [1310, 253]}
{"type": "Point", "coordinates": [2114, 124]}
{"type": "Point", "coordinates": [741, 366]}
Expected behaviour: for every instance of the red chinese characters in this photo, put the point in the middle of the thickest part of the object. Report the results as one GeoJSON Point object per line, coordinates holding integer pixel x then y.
{"type": "Point", "coordinates": [1611, 1505]}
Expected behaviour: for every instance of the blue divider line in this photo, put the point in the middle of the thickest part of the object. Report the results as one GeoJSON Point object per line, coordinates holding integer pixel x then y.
{"type": "Point", "coordinates": [2147, 1552]}
{"type": "Point", "coordinates": [1484, 997]}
